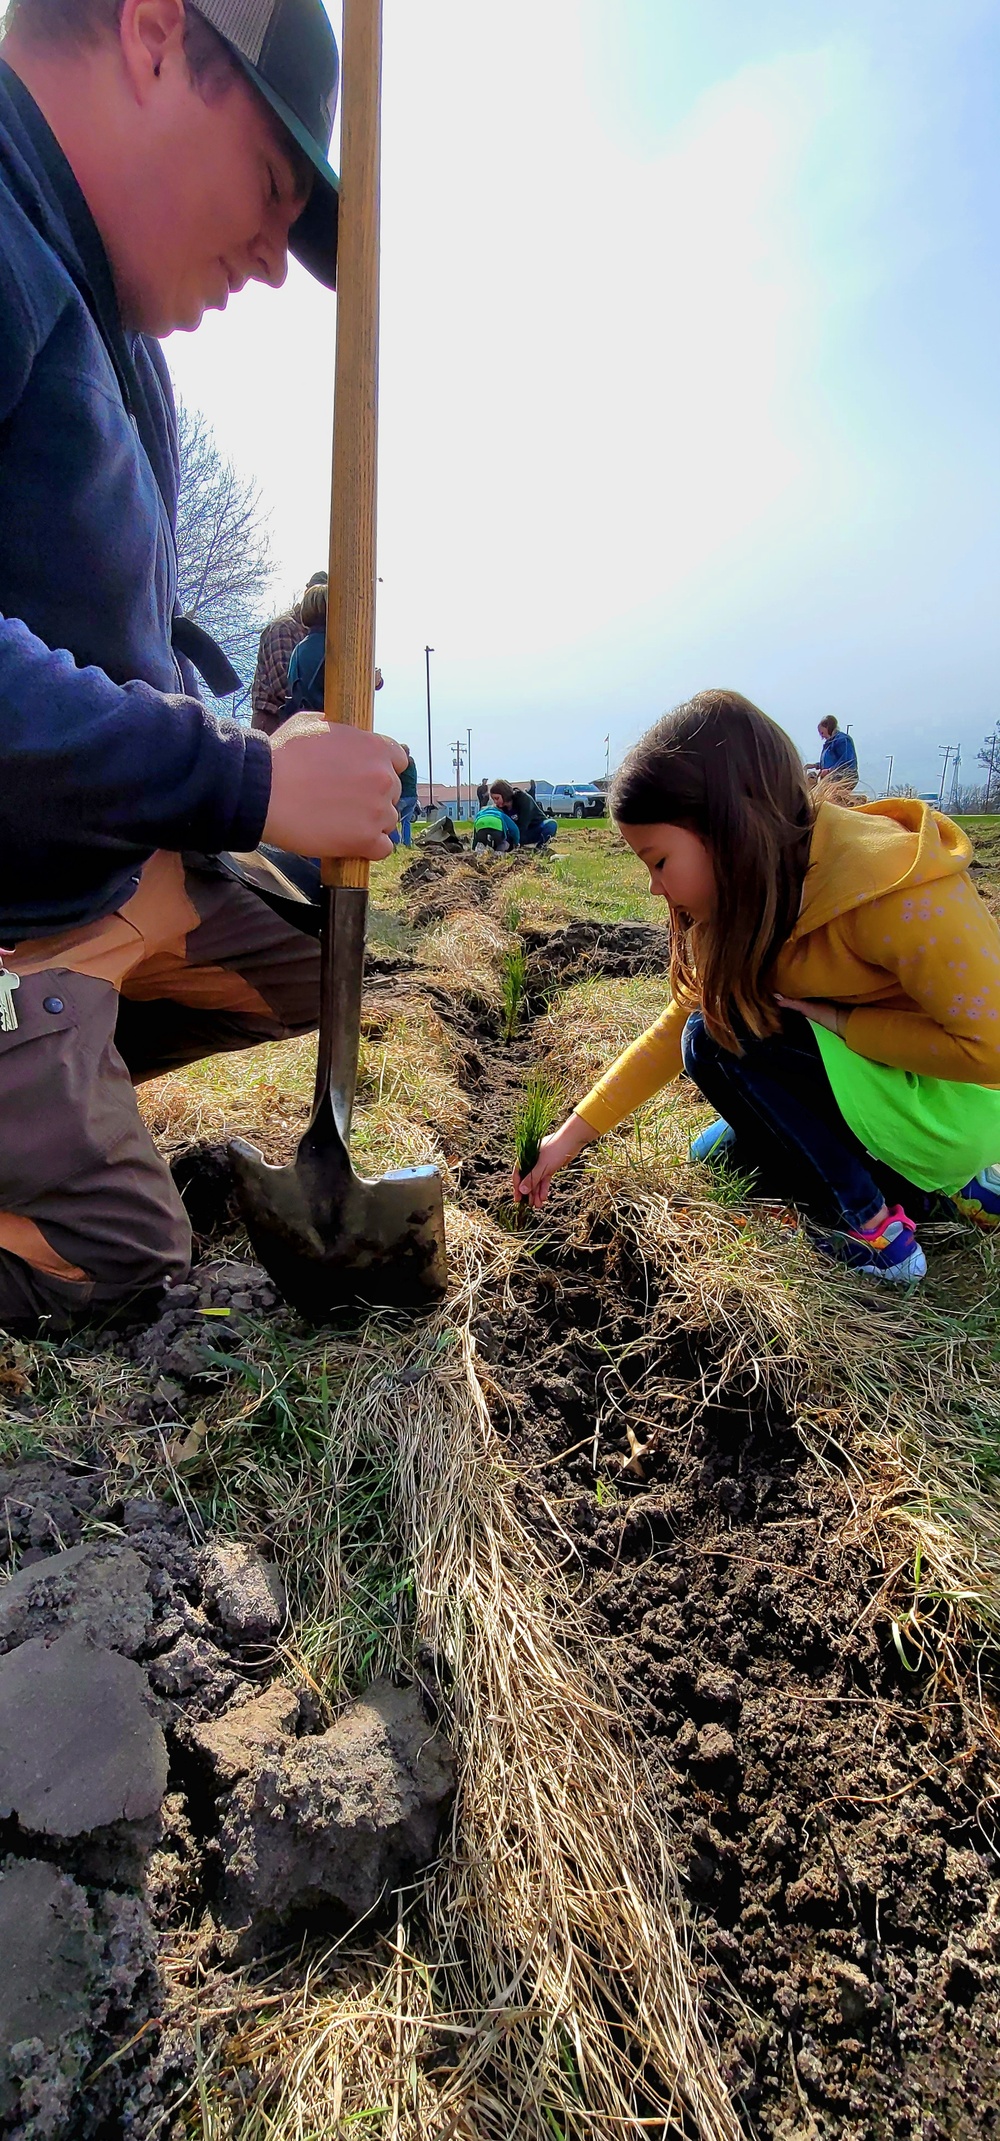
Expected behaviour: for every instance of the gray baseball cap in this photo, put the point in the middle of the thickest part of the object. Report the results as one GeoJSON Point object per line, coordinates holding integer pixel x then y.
{"type": "Point", "coordinates": [288, 50]}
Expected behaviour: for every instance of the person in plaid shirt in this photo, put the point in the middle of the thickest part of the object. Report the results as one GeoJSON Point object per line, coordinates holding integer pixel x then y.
{"type": "Point", "coordinates": [278, 641]}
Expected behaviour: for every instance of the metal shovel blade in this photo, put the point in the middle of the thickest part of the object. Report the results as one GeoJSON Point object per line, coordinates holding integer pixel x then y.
{"type": "Point", "coordinates": [328, 1237]}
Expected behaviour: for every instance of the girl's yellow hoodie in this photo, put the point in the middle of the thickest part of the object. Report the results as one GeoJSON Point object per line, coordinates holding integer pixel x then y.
{"type": "Point", "coordinates": [891, 923]}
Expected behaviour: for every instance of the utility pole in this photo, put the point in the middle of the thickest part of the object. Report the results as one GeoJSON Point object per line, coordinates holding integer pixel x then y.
{"type": "Point", "coordinates": [607, 758]}
{"type": "Point", "coordinates": [468, 771]}
{"type": "Point", "coordinates": [954, 775]}
{"type": "Point", "coordinates": [459, 751]}
{"type": "Point", "coordinates": [428, 651]}
{"type": "Point", "coordinates": [989, 776]}
{"type": "Point", "coordinates": [888, 778]}
{"type": "Point", "coordinates": [945, 749]}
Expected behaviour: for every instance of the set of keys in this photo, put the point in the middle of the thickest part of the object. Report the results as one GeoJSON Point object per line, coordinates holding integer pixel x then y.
{"type": "Point", "coordinates": [8, 983]}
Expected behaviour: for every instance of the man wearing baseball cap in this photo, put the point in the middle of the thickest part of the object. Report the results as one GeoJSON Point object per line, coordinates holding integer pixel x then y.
{"type": "Point", "coordinates": [154, 158]}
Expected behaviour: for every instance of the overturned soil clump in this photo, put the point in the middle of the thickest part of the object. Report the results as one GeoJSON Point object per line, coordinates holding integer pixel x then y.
{"type": "Point", "coordinates": [162, 1776]}
{"type": "Point", "coordinates": [583, 949]}
{"type": "Point", "coordinates": [440, 883]}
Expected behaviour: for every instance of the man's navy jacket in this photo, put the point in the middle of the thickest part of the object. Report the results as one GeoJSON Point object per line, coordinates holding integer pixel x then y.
{"type": "Point", "coordinates": [838, 754]}
{"type": "Point", "coordinates": [103, 754]}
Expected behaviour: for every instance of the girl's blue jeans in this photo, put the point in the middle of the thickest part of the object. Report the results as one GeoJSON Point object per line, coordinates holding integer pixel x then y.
{"type": "Point", "coordinates": [778, 1101]}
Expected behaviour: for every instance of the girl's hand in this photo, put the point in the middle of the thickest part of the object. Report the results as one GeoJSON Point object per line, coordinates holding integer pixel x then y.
{"type": "Point", "coordinates": [833, 1016]}
{"type": "Point", "coordinates": [555, 1152]}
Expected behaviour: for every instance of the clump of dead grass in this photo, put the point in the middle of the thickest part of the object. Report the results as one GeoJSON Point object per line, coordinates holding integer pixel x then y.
{"type": "Point", "coordinates": [590, 1023]}
{"type": "Point", "coordinates": [467, 952]}
{"type": "Point", "coordinates": [249, 1093]}
{"type": "Point", "coordinates": [411, 1060]}
{"type": "Point", "coordinates": [410, 1107]}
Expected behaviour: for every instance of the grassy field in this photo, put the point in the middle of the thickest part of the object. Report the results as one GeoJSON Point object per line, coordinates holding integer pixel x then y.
{"type": "Point", "coordinates": [370, 1461]}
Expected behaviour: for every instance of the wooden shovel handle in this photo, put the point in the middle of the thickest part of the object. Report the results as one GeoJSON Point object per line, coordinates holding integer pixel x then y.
{"type": "Point", "coordinates": [349, 677]}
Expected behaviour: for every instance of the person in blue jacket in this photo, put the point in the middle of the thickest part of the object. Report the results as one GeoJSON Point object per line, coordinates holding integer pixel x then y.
{"type": "Point", "coordinates": [838, 756]}
{"type": "Point", "coordinates": [495, 828]}
{"type": "Point", "coordinates": [154, 158]}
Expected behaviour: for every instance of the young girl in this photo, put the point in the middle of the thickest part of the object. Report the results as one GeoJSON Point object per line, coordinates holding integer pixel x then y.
{"type": "Point", "coordinates": [835, 981]}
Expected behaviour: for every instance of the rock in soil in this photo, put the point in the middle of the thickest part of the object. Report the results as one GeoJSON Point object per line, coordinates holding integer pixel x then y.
{"type": "Point", "coordinates": [79, 1749]}
{"type": "Point", "coordinates": [98, 1591]}
{"type": "Point", "coordinates": [340, 1819]}
{"type": "Point", "coordinates": [243, 1592]}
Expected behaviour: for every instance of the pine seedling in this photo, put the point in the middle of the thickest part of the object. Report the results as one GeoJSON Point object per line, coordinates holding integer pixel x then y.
{"type": "Point", "coordinates": [514, 976]}
{"type": "Point", "coordinates": [533, 1118]}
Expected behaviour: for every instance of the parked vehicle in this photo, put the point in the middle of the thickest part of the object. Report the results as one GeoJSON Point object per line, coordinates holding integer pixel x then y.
{"type": "Point", "coordinates": [576, 800]}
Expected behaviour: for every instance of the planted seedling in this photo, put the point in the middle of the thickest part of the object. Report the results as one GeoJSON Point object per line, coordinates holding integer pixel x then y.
{"type": "Point", "coordinates": [534, 1116]}
{"type": "Point", "coordinates": [515, 969]}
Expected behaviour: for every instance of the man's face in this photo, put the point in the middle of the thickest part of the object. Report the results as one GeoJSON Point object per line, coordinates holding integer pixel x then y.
{"type": "Point", "coordinates": [219, 185]}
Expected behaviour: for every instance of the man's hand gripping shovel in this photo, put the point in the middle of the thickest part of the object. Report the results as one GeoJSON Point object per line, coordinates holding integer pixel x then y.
{"type": "Point", "coordinates": [326, 1236]}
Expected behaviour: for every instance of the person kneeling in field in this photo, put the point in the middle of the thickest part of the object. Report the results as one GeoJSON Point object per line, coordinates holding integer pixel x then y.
{"type": "Point", "coordinates": [495, 828]}
{"type": "Point", "coordinates": [836, 988]}
{"type": "Point", "coordinates": [154, 158]}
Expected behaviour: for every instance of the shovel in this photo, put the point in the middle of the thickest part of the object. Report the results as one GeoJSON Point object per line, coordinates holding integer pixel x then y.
{"type": "Point", "coordinates": [327, 1236]}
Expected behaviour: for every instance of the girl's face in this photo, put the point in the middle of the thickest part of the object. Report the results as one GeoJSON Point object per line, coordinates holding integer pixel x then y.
{"type": "Point", "coordinates": [679, 864]}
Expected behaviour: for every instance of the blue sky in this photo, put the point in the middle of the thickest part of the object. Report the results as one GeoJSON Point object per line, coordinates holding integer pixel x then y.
{"type": "Point", "coordinates": [689, 374]}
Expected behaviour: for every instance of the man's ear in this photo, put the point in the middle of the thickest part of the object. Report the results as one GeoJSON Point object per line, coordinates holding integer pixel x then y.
{"type": "Point", "coordinates": [151, 34]}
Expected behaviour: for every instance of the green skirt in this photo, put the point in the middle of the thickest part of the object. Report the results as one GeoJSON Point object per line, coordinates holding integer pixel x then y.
{"type": "Point", "coordinates": [935, 1131]}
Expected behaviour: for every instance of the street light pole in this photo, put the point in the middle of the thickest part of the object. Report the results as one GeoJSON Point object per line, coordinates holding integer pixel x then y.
{"type": "Point", "coordinates": [428, 651]}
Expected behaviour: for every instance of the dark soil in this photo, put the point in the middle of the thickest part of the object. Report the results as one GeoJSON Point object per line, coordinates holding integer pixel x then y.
{"type": "Point", "coordinates": [833, 1816]}
{"type": "Point", "coordinates": [586, 948]}
{"type": "Point", "coordinates": [836, 1846]}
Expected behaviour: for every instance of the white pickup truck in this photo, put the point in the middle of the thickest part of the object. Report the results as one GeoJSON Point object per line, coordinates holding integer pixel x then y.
{"type": "Point", "coordinates": [574, 800]}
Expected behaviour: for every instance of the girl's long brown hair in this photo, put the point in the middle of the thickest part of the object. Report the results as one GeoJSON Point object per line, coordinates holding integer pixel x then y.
{"type": "Point", "coordinates": [720, 767]}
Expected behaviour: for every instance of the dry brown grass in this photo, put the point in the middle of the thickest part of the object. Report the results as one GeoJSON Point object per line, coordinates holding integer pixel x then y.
{"type": "Point", "coordinates": [240, 1095]}
{"type": "Point", "coordinates": [466, 953]}
{"type": "Point", "coordinates": [590, 1023]}
{"type": "Point", "coordinates": [410, 1106]}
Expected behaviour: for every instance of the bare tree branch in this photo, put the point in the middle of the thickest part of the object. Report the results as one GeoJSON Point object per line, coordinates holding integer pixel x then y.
{"type": "Point", "coordinates": [223, 546]}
